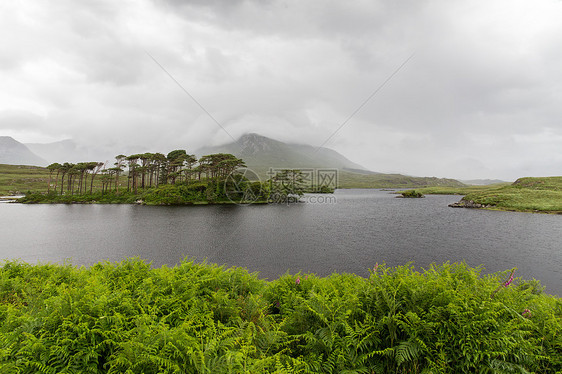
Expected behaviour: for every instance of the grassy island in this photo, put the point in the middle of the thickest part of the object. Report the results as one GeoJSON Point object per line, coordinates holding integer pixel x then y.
{"type": "Point", "coordinates": [541, 195]}
{"type": "Point", "coordinates": [195, 318]}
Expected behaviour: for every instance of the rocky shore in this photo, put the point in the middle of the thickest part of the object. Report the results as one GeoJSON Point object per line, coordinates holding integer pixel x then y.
{"type": "Point", "coordinates": [468, 204]}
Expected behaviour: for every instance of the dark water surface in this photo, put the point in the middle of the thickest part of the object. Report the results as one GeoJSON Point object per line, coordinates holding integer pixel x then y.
{"type": "Point", "coordinates": [351, 234]}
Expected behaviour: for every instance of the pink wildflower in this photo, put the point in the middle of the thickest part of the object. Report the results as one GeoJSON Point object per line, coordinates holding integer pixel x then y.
{"type": "Point", "coordinates": [508, 282]}
{"type": "Point", "coordinates": [526, 313]}
{"type": "Point", "coordinates": [298, 281]}
{"type": "Point", "coordinates": [504, 284]}
{"type": "Point", "coordinates": [376, 267]}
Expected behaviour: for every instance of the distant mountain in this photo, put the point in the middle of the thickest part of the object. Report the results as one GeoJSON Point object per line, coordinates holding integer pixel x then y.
{"type": "Point", "coordinates": [261, 153]}
{"type": "Point", "coordinates": [13, 152]}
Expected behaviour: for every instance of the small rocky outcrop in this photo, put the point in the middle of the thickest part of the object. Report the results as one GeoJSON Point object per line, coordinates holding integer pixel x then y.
{"type": "Point", "coordinates": [411, 194]}
{"type": "Point", "coordinates": [468, 204]}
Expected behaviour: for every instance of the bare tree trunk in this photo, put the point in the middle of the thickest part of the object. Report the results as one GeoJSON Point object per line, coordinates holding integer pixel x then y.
{"type": "Point", "coordinates": [56, 181]}
{"type": "Point", "coordinates": [49, 183]}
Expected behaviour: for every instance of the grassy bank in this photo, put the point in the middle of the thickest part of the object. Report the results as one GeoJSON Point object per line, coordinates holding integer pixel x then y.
{"type": "Point", "coordinates": [196, 318]}
{"type": "Point", "coordinates": [17, 179]}
{"type": "Point", "coordinates": [524, 195]}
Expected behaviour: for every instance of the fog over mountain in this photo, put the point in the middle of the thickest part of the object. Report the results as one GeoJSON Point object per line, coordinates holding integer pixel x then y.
{"type": "Point", "coordinates": [69, 150]}
{"type": "Point", "coordinates": [257, 151]}
{"type": "Point", "coordinates": [468, 90]}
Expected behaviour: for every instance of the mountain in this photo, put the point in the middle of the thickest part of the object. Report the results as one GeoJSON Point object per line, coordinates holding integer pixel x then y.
{"type": "Point", "coordinates": [261, 153]}
{"type": "Point", "coordinates": [13, 152]}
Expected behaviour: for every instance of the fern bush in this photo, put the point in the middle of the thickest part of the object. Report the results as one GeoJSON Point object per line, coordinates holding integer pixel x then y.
{"type": "Point", "coordinates": [128, 317]}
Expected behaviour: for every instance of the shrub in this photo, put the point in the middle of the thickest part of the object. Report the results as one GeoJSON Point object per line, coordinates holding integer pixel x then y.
{"type": "Point", "coordinates": [199, 318]}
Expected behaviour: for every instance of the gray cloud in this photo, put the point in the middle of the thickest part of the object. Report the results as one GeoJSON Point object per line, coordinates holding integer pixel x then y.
{"type": "Point", "coordinates": [479, 99]}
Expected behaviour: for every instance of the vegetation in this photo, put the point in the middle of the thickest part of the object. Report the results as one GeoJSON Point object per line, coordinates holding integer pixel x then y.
{"type": "Point", "coordinates": [287, 185]}
{"type": "Point", "coordinates": [198, 318]}
{"type": "Point", "coordinates": [525, 195]}
{"type": "Point", "coordinates": [143, 171]}
{"type": "Point", "coordinates": [411, 194]}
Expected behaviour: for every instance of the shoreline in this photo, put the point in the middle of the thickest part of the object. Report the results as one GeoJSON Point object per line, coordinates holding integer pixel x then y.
{"type": "Point", "coordinates": [198, 203]}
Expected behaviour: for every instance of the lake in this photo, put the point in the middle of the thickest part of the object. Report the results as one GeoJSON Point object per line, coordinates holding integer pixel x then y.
{"type": "Point", "coordinates": [348, 231]}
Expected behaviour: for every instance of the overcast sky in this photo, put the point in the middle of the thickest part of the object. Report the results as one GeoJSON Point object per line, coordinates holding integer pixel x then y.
{"type": "Point", "coordinates": [480, 98]}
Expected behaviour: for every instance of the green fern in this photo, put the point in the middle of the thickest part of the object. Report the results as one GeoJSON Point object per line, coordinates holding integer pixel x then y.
{"type": "Point", "coordinates": [128, 317]}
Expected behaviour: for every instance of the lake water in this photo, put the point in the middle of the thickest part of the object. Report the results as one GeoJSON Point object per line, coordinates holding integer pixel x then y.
{"type": "Point", "coordinates": [346, 232]}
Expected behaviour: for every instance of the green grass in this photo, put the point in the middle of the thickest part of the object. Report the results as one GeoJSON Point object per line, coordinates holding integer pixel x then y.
{"type": "Point", "coordinates": [463, 190]}
{"type": "Point", "coordinates": [525, 195]}
{"type": "Point", "coordinates": [520, 200]}
{"type": "Point", "coordinates": [18, 179]}
{"type": "Point", "coordinates": [198, 318]}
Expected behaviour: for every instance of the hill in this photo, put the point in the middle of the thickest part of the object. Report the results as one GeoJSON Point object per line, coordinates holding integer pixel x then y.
{"type": "Point", "coordinates": [482, 182]}
{"type": "Point", "coordinates": [525, 194]}
{"type": "Point", "coordinates": [355, 180]}
{"type": "Point", "coordinates": [15, 153]}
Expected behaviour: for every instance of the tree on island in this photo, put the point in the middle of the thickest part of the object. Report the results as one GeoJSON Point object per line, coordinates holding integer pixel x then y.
{"type": "Point", "coordinates": [52, 168]}
{"type": "Point", "coordinates": [287, 185]}
{"type": "Point", "coordinates": [145, 171]}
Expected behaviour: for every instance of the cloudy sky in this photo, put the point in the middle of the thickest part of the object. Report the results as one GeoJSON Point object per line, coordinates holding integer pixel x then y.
{"type": "Point", "coordinates": [473, 88]}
